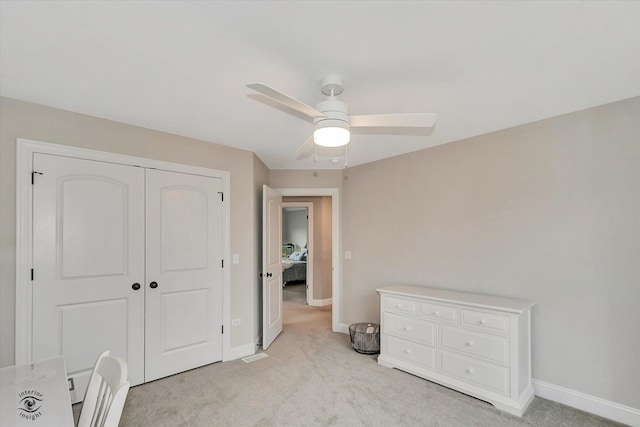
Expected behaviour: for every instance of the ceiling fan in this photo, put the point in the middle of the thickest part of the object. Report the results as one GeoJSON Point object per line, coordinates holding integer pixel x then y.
{"type": "Point", "coordinates": [331, 119]}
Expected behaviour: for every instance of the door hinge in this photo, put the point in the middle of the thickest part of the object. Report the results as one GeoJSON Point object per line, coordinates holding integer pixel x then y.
{"type": "Point", "coordinates": [222, 263]}
{"type": "Point", "coordinates": [32, 273]}
{"type": "Point", "coordinates": [33, 173]}
{"type": "Point", "coordinates": [223, 329]}
{"type": "Point", "coordinates": [221, 196]}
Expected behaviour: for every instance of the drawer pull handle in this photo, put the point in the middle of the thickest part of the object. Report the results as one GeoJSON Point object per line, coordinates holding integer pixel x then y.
{"type": "Point", "coordinates": [483, 321]}
{"type": "Point", "coordinates": [398, 305]}
{"type": "Point", "coordinates": [469, 343]}
{"type": "Point", "coordinates": [469, 371]}
{"type": "Point", "coordinates": [407, 351]}
{"type": "Point", "coordinates": [436, 312]}
{"type": "Point", "coordinates": [407, 328]}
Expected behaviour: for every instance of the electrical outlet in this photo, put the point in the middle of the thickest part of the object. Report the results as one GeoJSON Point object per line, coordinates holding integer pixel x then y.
{"type": "Point", "coordinates": [235, 322]}
{"type": "Point", "coordinates": [347, 254]}
{"type": "Point", "coordinates": [236, 258]}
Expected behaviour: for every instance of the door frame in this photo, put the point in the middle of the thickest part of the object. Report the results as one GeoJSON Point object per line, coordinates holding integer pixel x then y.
{"type": "Point", "coordinates": [336, 285]}
{"type": "Point", "coordinates": [309, 279]}
{"type": "Point", "coordinates": [25, 149]}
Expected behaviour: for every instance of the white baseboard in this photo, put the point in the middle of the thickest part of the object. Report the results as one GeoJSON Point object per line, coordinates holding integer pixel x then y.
{"type": "Point", "coordinates": [342, 328]}
{"type": "Point", "coordinates": [584, 402]}
{"type": "Point", "coordinates": [320, 302]}
{"type": "Point", "coordinates": [239, 352]}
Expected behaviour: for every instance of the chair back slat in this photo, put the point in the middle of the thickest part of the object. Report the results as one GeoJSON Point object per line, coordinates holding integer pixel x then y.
{"type": "Point", "coordinates": [106, 393]}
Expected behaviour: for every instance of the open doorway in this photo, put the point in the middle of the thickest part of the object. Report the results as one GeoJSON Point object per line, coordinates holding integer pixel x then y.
{"type": "Point", "coordinates": [307, 232]}
{"type": "Point", "coordinates": [297, 252]}
{"type": "Point", "coordinates": [319, 250]}
{"type": "Point", "coordinates": [325, 298]}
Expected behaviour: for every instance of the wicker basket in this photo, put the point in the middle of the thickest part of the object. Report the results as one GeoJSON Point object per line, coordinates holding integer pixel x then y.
{"type": "Point", "coordinates": [365, 337]}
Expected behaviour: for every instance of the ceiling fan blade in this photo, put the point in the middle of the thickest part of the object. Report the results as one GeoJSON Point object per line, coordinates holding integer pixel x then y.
{"type": "Point", "coordinates": [415, 120]}
{"type": "Point", "coordinates": [285, 99]}
{"type": "Point", "coordinates": [306, 149]}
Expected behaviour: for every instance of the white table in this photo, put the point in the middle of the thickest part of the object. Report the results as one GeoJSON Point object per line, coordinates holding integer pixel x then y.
{"type": "Point", "coordinates": [35, 394]}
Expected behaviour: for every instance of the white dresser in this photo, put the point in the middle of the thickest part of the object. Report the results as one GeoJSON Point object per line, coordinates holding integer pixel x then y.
{"type": "Point", "coordinates": [477, 344]}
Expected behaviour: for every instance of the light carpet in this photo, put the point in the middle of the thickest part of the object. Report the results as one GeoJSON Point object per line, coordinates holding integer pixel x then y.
{"type": "Point", "coordinates": [314, 378]}
{"type": "Point", "coordinates": [296, 293]}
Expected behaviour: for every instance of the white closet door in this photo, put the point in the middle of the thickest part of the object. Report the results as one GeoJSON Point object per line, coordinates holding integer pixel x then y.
{"type": "Point", "coordinates": [88, 252]}
{"type": "Point", "coordinates": [184, 272]}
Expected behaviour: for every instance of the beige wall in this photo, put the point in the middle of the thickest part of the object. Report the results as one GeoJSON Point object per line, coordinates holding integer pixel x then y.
{"type": "Point", "coordinates": [548, 212]}
{"type": "Point", "coordinates": [322, 250]}
{"type": "Point", "coordinates": [30, 121]}
{"type": "Point", "coordinates": [327, 248]}
{"type": "Point", "coordinates": [305, 178]}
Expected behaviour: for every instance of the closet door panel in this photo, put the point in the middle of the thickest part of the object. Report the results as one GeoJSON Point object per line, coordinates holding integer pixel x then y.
{"type": "Point", "coordinates": [88, 251]}
{"type": "Point", "coordinates": [184, 272]}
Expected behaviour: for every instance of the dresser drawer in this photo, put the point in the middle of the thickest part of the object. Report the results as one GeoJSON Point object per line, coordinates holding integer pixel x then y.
{"type": "Point", "coordinates": [439, 312]}
{"type": "Point", "coordinates": [410, 351]}
{"type": "Point", "coordinates": [410, 327]}
{"type": "Point", "coordinates": [398, 305]}
{"type": "Point", "coordinates": [478, 344]}
{"type": "Point", "coordinates": [493, 322]}
{"type": "Point", "coordinates": [476, 372]}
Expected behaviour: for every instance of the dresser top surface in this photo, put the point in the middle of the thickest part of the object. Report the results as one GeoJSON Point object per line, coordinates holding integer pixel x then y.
{"type": "Point", "coordinates": [465, 298]}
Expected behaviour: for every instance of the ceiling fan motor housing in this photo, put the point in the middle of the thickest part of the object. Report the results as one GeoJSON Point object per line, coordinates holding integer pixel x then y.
{"type": "Point", "coordinates": [336, 114]}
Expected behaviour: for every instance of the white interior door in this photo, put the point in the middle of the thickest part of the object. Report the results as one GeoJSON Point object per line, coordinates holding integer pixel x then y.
{"type": "Point", "coordinates": [88, 254]}
{"type": "Point", "coordinates": [184, 250]}
{"type": "Point", "coordinates": [271, 265]}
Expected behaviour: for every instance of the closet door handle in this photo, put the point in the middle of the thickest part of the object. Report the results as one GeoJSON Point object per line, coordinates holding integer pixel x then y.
{"type": "Point", "coordinates": [153, 285]}
{"type": "Point", "coordinates": [135, 286]}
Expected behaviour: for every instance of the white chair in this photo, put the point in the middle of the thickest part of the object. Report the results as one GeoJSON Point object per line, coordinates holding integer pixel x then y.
{"type": "Point", "coordinates": [106, 393]}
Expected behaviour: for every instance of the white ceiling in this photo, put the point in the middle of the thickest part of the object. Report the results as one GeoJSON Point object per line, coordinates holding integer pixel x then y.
{"type": "Point", "coordinates": [181, 67]}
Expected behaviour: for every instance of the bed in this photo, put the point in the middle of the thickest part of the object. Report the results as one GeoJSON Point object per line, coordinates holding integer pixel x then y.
{"type": "Point", "coordinates": [293, 271]}
{"type": "Point", "coordinates": [294, 268]}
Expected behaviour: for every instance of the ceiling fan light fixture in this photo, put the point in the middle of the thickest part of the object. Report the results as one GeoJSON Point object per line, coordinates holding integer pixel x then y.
{"type": "Point", "coordinates": [331, 133]}
{"type": "Point", "coordinates": [331, 137]}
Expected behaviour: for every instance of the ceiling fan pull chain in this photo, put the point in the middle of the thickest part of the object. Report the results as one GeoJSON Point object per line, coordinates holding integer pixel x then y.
{"type": "Point", "coordinates": [315, 153]}
{"type": "Point", "coordinates": [346, 156]}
